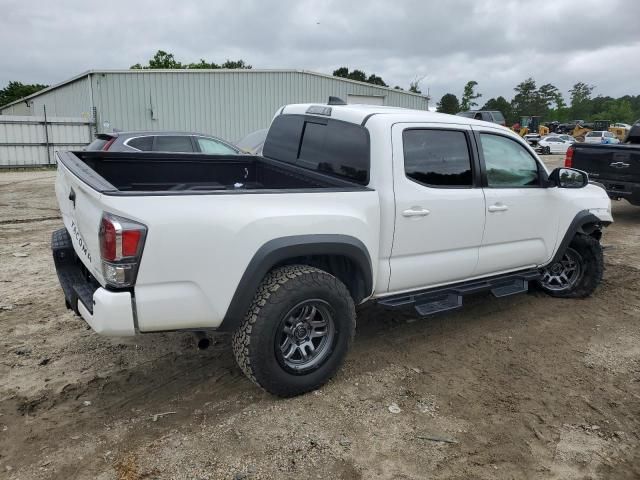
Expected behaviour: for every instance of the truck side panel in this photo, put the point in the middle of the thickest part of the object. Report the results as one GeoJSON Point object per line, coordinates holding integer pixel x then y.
{"type": "Point", "coordinates": [198, 247]}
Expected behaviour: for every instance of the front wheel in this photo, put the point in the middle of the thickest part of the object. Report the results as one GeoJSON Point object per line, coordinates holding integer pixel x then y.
{"type": "Point", "coordinates": [578, 272]}
{"type": "Point", "coordinates": [297, 331]}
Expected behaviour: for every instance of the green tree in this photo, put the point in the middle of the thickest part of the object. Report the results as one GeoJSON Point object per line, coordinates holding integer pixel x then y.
{"type": "Point", "coordinates": [469, 95]}
{"type": "Point", "coordinates": [166, 60]}
{"type": "Point", "coordinates": [448, 104]}
{"type": "Point", "coordinates": [616, 111]}
{"type": "Point", "coordinates": [502, 105]}
{"type": "Point", "coordinates": [17, 90]}
{"type": "Point", "coordinates": [581, 104]}
{"type": "Point", "coordinates": [359, 76]}
{"type": "Point", "coordinates": [526, 100]}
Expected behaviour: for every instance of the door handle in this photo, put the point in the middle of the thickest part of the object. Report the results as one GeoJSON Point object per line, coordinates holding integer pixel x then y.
{"type": "Point", "coordinates": [416, 212]}
{"type": "Point", "coordinates": [498, 207]}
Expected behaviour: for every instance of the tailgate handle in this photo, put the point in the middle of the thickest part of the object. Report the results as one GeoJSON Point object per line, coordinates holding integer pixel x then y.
{"type": "Point", "coordinates": [72, 197]}
{"type": "Point", "coordinates": [619, 165]}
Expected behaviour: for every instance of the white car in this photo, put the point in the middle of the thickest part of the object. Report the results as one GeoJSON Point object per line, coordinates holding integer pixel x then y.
{"type": "Point", "coordinates": [347, 204]}
{"type": "Point", "coordinates": [554, 144]}
{"type": "Point", "coordinates": [600, 136]}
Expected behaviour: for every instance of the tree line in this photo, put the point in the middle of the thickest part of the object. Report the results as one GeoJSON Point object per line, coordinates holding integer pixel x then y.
{"type": "Point", "coordinates": [547, 102]}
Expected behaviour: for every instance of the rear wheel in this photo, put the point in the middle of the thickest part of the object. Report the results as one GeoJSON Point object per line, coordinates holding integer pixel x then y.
{"type": "Point", "coordinates": [578, 272]}
{"type": "Point", "coordinates": [297, 331]}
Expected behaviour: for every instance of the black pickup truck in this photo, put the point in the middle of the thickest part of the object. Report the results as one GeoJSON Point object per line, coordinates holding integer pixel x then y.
{"type": "Point", "coordinates": [617, 167]}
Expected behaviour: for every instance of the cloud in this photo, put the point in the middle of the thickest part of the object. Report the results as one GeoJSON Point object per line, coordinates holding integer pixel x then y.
{"type": "Point", "coordinates": [497, 43]}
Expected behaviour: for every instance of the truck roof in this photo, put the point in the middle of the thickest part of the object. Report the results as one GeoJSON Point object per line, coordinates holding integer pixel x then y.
{"type": "Point", "coordinates": [359, 114]}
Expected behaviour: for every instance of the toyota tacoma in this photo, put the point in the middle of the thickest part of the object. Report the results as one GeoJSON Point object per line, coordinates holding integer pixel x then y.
{"type": "Point", "coordinates": [346, 204]}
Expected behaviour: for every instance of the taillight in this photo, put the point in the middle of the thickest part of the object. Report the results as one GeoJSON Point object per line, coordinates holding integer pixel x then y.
{"type": "Point", "coordinates": [568, 159]}
{"type": "Point", "coordinates": [121, 243]}
{"type": "Point", "coordinates": [108, 144]}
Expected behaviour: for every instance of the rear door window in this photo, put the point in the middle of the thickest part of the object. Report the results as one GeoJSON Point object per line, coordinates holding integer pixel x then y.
{"type": "Point", "coordinates": [144, 144]}
{"type": "Point", "coordinates": [209, 145]}
{"type": "Point", "coordinates": [173, 143]}
{"type": "Point", "coordinates": [437, 158]}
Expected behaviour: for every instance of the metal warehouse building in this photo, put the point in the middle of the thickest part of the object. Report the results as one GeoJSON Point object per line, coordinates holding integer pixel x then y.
{"type": "Point", "coordinates": [226, 103]}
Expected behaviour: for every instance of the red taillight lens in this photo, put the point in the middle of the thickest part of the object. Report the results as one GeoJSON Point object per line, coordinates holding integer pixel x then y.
{"type": "Point", "coordinates": [108, 144]}
{"type": "Point", "coordinates": [107, 240]}
{"type": "Point", "coordinates": [120, 238]}
{"type": "Point", "coordinates": [568, 159]}
{"type": "Point", "coordinates": [130, 242]}
{"type": "Point", "coordinates": [121, 242]}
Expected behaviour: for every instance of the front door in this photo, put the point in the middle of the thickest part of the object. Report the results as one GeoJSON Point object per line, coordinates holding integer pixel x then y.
{"type": "Point", "coordinates": [522, 220]}
{"type": "Point", "coordinates": [440, 209]}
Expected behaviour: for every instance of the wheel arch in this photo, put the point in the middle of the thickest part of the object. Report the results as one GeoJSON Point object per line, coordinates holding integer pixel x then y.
{"type": "Point", "coordinates": [344, 256]}
{"type": "Point", "coordinates": [585, 223]}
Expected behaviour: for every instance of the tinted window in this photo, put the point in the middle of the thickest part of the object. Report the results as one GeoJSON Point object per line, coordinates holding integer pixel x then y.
{"type": "Point", "coordinates": [466, 114]}
{"type": "Point", "coordinates": [336, 147]}
{"type": "Point", "coordinates": [553, 139]}
{"type": "Point", "coordinates": [144, 144]}
{"type": "Point", "coordinates": [437, 157]}
{"type": "Point", "coordinates": [508, 163]}
{"type": "Point", "coordinates": [327, 145]}
{"type": "Point", "coordinates": [209, 145]}
{"type": "Point", "coordinates": [171, 143]}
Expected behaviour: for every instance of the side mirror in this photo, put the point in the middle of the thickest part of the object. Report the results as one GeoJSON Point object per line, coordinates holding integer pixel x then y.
{"type": "Point", "coordinates": [568, 178]}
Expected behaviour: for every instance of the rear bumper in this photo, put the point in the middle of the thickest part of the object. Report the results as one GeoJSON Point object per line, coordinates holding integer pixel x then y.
{"type": "Point", "coordinates": [107, 312]}
{"type": "Point", "coordinates": [618, 190]}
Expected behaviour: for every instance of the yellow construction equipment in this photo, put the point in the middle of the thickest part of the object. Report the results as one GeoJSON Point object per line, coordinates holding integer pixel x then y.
{"type": "Point", "coordinates": [531, 124]}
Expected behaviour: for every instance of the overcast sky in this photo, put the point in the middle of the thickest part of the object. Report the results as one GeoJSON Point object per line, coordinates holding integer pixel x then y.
{"type": "Point", "coordinates": [498, 43]}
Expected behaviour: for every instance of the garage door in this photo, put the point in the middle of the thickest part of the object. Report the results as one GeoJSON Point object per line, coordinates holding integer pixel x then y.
{"type": "Point", "coordinates": [366, 99]}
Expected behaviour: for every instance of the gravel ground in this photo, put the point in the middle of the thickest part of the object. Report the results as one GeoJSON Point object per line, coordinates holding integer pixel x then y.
{"type": "Point", "coordinates": [519, 387]}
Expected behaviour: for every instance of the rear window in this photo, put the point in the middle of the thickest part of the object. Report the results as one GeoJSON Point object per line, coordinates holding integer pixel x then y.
{"type": "Point", "coordinates": [594, 134]}
{"type": "Point", "coordinates": [98, 143]}
{"type": "Point", "coordinates": [327, 145]}
{"type": "Point", "coordinates": [171, 143]}
{"type": "Point", "coordinates": [466, 114]}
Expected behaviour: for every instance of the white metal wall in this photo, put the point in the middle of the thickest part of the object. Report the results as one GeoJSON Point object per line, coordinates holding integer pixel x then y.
{"type": "Point", "coordinates": [29, 141]}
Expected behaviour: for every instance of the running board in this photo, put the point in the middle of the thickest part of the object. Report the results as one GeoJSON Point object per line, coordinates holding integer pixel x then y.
{"type": "Point", "coordinates": [437, 300]}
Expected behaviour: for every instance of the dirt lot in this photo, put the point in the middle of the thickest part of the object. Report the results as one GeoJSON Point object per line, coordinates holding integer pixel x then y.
{"type": "Point", "coordinates": [521, 387]}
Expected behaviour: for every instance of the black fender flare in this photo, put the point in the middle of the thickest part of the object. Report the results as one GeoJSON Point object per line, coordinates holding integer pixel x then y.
{"type": "Point", "coordinates": [584, 222]}
{"type": "Point", "coordinates": [277, 251]}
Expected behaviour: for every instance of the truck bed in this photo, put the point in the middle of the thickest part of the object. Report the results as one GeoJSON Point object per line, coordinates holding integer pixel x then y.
{"type": "Point", "coordinates": [124, 173]}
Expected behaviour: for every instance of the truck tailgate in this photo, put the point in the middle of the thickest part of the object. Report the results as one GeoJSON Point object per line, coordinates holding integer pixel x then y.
{"type": "Point", "coordinates": [81, 210]}
{"type": "Point", "coordinates": [612, 162]}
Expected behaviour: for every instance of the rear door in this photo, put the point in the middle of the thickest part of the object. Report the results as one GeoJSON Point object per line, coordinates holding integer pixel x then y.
{"type": "Point", "coordinates": [439, 210]}
{"type": "Point", "coordinates": [522, 223]}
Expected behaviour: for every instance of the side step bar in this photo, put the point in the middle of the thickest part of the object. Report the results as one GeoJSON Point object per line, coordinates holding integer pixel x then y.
{"type": "Point", "coordinates": [436, 300]}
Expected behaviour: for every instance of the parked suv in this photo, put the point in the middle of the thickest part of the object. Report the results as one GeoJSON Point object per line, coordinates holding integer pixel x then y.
{"type": "Point", "coordinates": [161, 142]}
{"type": "Point", "coordinates": [346, 204]}
{"type": "Point", "coordinates": [493, 116]}
{"type": "Point", "coordinates": [599, 136]}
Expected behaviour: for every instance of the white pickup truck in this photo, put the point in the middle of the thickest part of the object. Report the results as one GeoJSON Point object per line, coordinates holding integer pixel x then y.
{"type": "Point", "coordinates": [348, 203]}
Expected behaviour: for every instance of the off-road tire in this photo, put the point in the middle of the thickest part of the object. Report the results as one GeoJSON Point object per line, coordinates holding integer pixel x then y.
{"type": "Point", "coordinates": [592, 266]}
{"type": "Point", "coordinates": [254, 343]}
